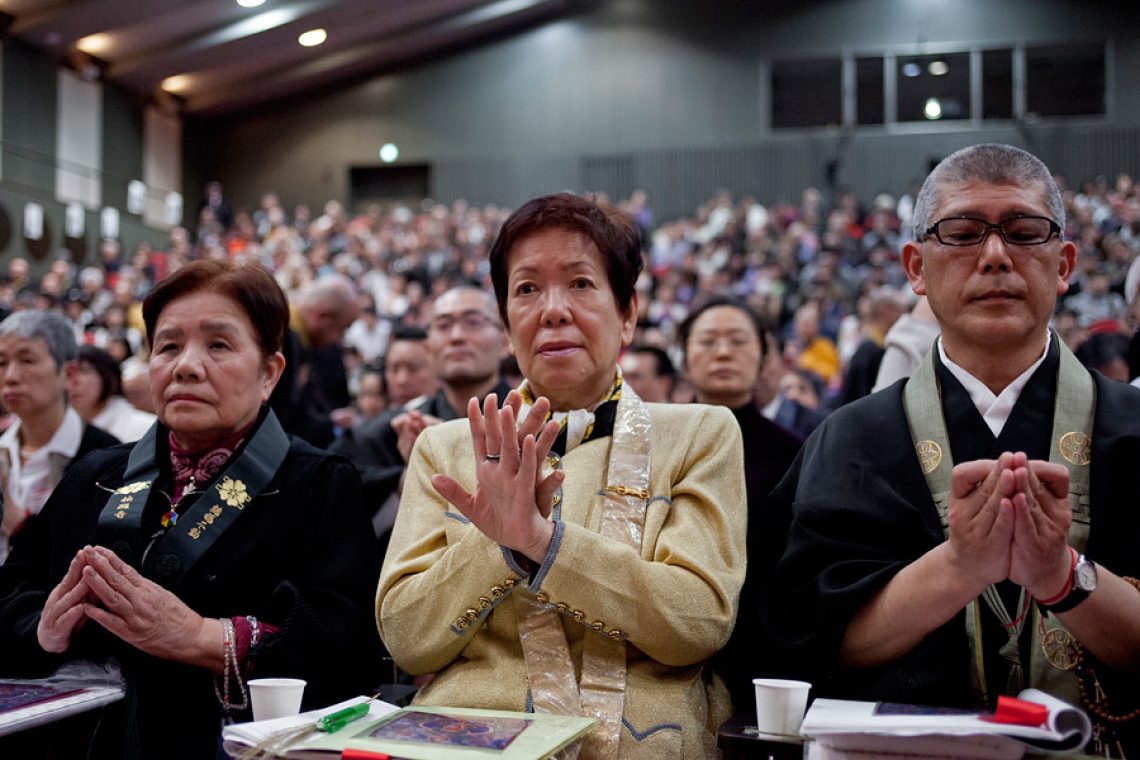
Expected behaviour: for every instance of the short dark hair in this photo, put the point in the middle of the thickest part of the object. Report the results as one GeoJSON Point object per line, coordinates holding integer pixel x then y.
{"type": "Point", "coordinates": [713, 302]}
{"type": "Point", "coordinates": [611, 230]}
{"type": "Point", "coordinates": [662, 364]}
{"type": "Point", "coordinates": [249, 285]}
{"type": "Point", "coordinates": [413, 333]}
{"type": "Point", "coordinates": [106, 367]}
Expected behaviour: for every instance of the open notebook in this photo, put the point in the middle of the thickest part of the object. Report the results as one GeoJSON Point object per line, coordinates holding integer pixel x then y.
{"type": "Point", "coordinates": [417, 733]}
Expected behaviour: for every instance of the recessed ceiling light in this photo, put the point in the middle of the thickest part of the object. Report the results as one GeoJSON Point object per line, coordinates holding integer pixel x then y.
{"type": "Point", "coordinates": [911, 69]}
{"type": "Point", "coordinates": [250, 3]}
{"type": "Point", "coordinates": [933, 109]}
{"type": "Point", "coordinates": [938, 68]}
{"type": "Point", "coordinates": [389, 152]}
{"type": "Point", "coordinates": [95, 44]}
{"type": "Point", "coordinates": [313, 37]}
{"type": "Point", "coordinates": [177, 83]}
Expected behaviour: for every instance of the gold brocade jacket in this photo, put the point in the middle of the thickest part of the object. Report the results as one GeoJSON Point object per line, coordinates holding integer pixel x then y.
{"type": "Point", "coordinates": [444, 603]}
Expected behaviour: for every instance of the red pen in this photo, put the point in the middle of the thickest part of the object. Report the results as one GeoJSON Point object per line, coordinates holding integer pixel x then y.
{"type": "Point", "coordinates": [362, 754]}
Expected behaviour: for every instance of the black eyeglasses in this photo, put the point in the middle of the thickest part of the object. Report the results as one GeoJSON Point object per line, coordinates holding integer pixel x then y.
{"type": "Point", "coordinates": [1017, 230]}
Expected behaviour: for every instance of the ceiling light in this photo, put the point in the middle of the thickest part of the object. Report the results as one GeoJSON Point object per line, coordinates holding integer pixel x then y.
{"type": "Point", "coordinates": [933, 109]}
{"type": "Point", "coordinates": [938, 68]}
{"type": "Point", "coordinates": [177, 83]}
{"type": "Point", "coordinates": [911, 69]}
{"type": "Point", "coordinates": [313, 37]}
{"type": "Point", "coordinates": [95, 44]}
{"type": "Point", "coordinates": [389, 152]}
{"type": "Point", "coordinates": [250, 3]}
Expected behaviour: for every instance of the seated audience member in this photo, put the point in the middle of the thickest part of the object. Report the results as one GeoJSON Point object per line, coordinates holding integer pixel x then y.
{"type": "Point", "coordinates": [650, 371]}
{"type": "Point", "coordinates": [371, 394]}
{"type": "Point", "coordinates": [465, 342]}
{"type": "Point", "coordinates": [785, 412]}
{"type": "Point", "coordinates": [37, 362]}
{"type": "Point", "coordinates": [802, 387]}
{"type": "Point", "coordinates": [215, 549]}
{"type": "Point", "coordinates": [966, 533]}
{"type": "Point", "coordinates": [602, 584]}
{"type": "Point", "coordinates": [885, 305]}
{"type": "Point", "coordinates": [815, 352]}
{"type": "Point", "coordinates": [315, 383]}
{"type": "Point", "coordinates": [96, 392]}
{"type": "Point", "coordinates": [408, 371]}
{"type": "Point", "coordinates": [906, 343]}
{"type": "Point", "coordinates": [1107, 353]}
{"type": "Point", "coordinates": [724, 346]}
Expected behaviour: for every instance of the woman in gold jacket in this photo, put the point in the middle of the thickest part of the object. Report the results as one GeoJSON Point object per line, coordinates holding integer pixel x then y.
{"type": "Point", "coordinates": [579, 551]}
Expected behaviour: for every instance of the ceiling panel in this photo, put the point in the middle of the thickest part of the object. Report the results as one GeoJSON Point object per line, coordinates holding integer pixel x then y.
{"type": "Point", "coordinates": [225, 58]}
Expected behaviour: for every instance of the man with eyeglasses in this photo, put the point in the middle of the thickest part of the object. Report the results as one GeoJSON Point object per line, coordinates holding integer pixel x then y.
{"type": "Point", "coordinates": [465, 342]}
{"type": "Point", "coordinates": [967, 532]}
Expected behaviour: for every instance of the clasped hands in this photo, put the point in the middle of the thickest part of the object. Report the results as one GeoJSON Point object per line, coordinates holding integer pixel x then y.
{"type": "Point", "coordinates": [1009, 519]}
{"type": "Point", "coordinates": [512, 500]}
{"type": "Point", "coordinates": [99, 586]}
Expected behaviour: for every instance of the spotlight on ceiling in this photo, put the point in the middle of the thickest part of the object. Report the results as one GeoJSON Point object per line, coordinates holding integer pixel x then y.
{"type": "Point", "coordinates": [313, 37]}
{"type": "Point", "coordinates": [389, 152]}
{"type": "Point", "coordinates": [95, 44]}
{"type": "Point", "coordinates": [250, 3]}
{"type": "Point", "coordinates": [911, 69]}
{"type": "Point", "coordinates": [938, 68]}
{"type": "Point", "coordinates": [177, 84]}
{"type": "Point", "coordinates": [933, 109]}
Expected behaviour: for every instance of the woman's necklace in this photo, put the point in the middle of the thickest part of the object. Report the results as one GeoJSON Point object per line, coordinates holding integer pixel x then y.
{"type": "Point", "coordinates": [170, 517]}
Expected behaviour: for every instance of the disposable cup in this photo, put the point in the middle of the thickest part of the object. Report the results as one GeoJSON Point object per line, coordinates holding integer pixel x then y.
{"type": "Point", "coordinates": [276, 697]}
{"type": "Point", "coordinates": [780, 705]}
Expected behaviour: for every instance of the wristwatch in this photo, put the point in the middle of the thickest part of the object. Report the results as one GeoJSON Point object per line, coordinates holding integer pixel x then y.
{"type": "Point", "coordinates": [1082, 583]}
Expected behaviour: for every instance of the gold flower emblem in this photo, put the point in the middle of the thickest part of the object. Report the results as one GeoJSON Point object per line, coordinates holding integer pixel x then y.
{"type": "Point", "coordinates": [141, 485]}
{"type": "Point", "coordinates": [233, 492]}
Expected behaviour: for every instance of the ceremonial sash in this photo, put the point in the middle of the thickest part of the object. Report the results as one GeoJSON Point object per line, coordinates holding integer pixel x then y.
{"type": "Point", "coordinates": [171, 555]}
{"type": "Point", "coordinates": [1071, 445]}
{"type": "Point", "coordinates": [600, 692]}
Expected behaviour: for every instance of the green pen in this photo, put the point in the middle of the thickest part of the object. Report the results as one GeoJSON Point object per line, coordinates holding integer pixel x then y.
{"type": "Point", "coordinates": [334, 722]}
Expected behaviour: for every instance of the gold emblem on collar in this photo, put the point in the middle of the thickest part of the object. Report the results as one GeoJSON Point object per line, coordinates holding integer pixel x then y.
{"type": "Point", "coordinates": [929, 456]}
{"type": "Point", "coordinates": [1076, 447]}
{"type": "Point", "coordinates": [133, 487]}
{"type": "Point", "coordinates": [233, 492]}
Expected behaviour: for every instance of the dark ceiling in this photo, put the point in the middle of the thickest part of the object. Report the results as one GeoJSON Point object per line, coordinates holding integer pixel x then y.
{"type": "Point", "coordinates": [226, 58]}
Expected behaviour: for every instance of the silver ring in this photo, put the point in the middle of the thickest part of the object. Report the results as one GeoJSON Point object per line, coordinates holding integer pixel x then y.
{"type": "Point", "coordinates": [491, 458]}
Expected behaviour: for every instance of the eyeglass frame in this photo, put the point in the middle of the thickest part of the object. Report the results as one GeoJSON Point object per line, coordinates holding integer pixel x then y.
{"type": "Point", "coordinates": [1054, 230]}
{"type": "Point", "coordinates": [466, 321]}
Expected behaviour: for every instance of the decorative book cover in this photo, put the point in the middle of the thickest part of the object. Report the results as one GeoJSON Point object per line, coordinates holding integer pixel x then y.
{"type": "Point", "coordinates": [14, 696]}
{"type": "Point", "coordinates": [442, 733]}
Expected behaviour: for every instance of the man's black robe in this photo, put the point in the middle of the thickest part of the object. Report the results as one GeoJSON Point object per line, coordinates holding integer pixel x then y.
{"type": "Point", "coordinates": [862, 511]}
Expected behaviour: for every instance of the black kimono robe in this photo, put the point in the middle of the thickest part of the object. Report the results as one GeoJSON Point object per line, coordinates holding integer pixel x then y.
{"type": "Point", "coordinates": [301, 556]}
{"type": "Point", "coordinates": [862, 511]}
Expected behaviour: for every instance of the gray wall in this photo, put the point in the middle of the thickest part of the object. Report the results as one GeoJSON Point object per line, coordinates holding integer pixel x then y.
{"type": "Point", "coordinates": [29, 158]}
{"type": "Point", "coordinates": [665, 94]}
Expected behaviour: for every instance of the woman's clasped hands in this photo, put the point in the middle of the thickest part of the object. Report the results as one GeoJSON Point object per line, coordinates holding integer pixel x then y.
{"type": "Point", "coordinates": [99, 586]}
{"type": "Point", "coordinates": [512, 500]}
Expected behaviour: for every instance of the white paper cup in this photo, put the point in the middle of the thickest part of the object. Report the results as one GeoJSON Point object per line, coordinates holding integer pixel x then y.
{"type": "Point", "coordinates": [276, 697]}
{"type": "Point", "coordinates": [780, 705]}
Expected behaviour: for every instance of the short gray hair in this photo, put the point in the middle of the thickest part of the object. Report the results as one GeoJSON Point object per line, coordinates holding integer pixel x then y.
{"type": "Point", "coordinates": [50, 327]}
{"type": "Point", "coordinates": [990, 162]}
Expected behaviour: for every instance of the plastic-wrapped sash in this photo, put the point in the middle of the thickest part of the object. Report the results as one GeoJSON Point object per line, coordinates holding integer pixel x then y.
{"type": "Point", "coordinates": [601, 690]}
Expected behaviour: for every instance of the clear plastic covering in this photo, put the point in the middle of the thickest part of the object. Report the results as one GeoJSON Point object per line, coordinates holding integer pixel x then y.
{"type": "Point", "coordinates": [601, 692]}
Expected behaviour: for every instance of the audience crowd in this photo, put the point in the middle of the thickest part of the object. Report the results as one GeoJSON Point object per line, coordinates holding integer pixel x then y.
{"type": "Point", "coordinates": [824, 274]}
{"type": "Point", "coordinates": [398, 317]}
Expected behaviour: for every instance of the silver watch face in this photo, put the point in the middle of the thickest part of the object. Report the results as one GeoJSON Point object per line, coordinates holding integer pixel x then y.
{"type": "Point", "coordinates": [1084, 575]}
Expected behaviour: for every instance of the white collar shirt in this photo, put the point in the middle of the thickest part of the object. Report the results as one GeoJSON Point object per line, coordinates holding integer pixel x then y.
{"type": "Point", "coordinates": [994, 408]}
